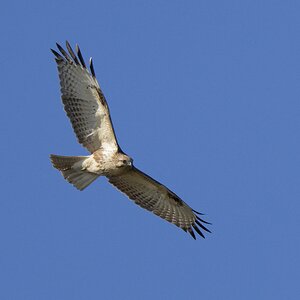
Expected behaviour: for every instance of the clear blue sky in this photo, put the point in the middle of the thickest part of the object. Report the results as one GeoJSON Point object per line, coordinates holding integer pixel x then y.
{"type": "Point", "coordinates": [204, 95]}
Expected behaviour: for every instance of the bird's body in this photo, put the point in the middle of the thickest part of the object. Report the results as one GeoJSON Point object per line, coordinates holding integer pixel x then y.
{"type": "Point", "coordinates": [89, 114]}
{"type": "Point", "coordinates": [110, 163]}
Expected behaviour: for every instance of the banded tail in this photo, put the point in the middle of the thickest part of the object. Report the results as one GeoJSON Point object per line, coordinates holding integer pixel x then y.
{"type": "Point", "coordinates": [71, 169]}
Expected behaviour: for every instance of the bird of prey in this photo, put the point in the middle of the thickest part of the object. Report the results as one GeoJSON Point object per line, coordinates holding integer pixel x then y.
{"type": "Point", "coordinates": [89, 114]}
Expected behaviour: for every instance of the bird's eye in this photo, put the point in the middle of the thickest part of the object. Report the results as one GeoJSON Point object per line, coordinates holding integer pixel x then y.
{"type": "Point", "coordinates": [124, 161]}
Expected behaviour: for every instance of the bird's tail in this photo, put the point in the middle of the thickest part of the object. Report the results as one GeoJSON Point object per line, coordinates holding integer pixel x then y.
{"type": "Point", "coordinates": [71, 169]}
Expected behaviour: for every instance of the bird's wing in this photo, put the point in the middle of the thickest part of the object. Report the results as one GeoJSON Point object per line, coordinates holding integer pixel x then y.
{"type": "Point", "coordinates": [155, 197]}
{"type": "Point", "coordinates": [84, 101]}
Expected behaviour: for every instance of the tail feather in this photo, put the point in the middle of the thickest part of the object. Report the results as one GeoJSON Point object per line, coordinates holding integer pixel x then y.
{"type": "Point", "coordinates": [71, 169]}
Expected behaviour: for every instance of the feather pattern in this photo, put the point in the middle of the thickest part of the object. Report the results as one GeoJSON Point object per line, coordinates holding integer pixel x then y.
{"type": "Point", "coordinates": [84, 102]}
{"type": "Point", "coordinates": [153, 196]}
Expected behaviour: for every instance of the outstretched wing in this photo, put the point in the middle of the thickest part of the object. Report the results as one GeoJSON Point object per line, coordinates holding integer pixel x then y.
{"type": "Point", "coordinates": [84, 101]}
{"type": "Point", "coordinates": [155, 197]}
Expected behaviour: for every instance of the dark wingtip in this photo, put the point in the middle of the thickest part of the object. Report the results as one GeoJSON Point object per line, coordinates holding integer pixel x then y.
{"type": "Point", "coordinates": [203, 227]}
{"type": "Point", "coordinates": [191, 232]}
{"type": "Point", "coordinates": [92, 68]}
{"type": "Point", "coordinates": [57, 55]}
{"type": "Point", "coordinates": [64, 53]}
{"type": "Point", "coordinates": [71, 52]}
{"type": "Point", "coordinates": [80, 56]}
{"type": "Point", "coordinates": [197, 212]}
{"type": "Point", "coordinates": [198, 231]}
{"type": "Point", "coordinates": [203, 221]}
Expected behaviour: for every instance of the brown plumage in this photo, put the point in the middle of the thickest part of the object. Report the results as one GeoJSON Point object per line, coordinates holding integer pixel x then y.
{"type": "Point", "coordinates": [88, 112]}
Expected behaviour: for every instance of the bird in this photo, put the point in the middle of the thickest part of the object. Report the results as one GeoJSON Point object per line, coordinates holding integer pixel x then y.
{"type": "Point", "coordinates": [88, 111]}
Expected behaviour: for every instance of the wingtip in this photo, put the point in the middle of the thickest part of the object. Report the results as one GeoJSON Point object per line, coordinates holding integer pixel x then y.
{"type": "Point", "coordinates": [198, 231]}
{"type": "Point", "coordinates": [80, 56]}
{"type": "Point", "coordinates": [202, 226]}
{"type": "Point", "coordinates": [197, 212]}
{"type": "Point", "coordinates": [92, 67]}
{"type": "Point", "coordinates": [64, 53]}
{"type": "Point", "coordinates": [56, 54]}
{"type": "Point", "coordinates": [59, 47]}
{"type": "Point", "coordinates": [203, 221]}
{"type": "Point", "coordinates": [71, 52]}
{"type": "Point", "coordinates": [191, 232]}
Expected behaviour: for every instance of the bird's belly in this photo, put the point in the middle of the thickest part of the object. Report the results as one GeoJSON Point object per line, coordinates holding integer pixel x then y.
{"type": "Point", "coordinates": [93, 166]}
{"type": "Point", "coordinates": [98, 165]}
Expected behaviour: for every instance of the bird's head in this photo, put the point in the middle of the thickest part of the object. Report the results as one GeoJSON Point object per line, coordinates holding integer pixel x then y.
{"type": "Point", "coordinates": [124, 160]}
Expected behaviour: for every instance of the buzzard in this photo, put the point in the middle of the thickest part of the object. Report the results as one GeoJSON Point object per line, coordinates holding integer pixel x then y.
{"type": "Point", "coordinates": [89, 114]}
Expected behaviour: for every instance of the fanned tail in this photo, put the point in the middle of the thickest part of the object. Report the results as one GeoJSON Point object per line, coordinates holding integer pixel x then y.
{"type": "Point", "coordinates": [71, 169]}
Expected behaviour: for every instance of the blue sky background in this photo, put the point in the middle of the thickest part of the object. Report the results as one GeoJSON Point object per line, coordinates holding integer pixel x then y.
{"type": "Point", "coordinates": [204, 95]}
